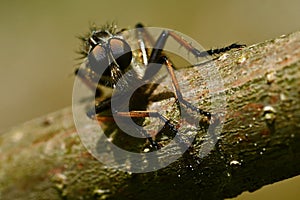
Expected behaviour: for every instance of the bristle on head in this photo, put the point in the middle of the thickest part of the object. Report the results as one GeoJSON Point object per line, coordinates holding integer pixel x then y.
{"type": "Point", "coordinates": [85, 45]}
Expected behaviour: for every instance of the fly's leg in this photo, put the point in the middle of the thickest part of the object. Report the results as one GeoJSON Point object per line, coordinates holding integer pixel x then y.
{"type": "Point", "coordinates": [155, 114]}
{"type": "Point", "coordinates": [143, 114]}
{"type": "Point", "coordinates": [99, 107]}
{"type": "Point", "coordinates": [157, 59]}
{"type": "Point", "coordinates": [178, 94]}
{"type": "Point", "coordinates": [224, 49]}
{"type": "Point", "coordinates": [189, 47]}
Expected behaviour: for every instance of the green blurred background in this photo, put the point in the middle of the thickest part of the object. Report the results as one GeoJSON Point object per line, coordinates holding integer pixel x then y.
{"type": "Point", "coordinates": [38, 44]}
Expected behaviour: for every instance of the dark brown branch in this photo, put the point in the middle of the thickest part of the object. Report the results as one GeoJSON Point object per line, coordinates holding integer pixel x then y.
{"type": "Point", "coordinates": [258, 145]}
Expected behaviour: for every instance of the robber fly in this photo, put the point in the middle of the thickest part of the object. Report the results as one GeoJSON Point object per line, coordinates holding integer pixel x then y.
{"type": "Point", "coordinates": [109, 56]}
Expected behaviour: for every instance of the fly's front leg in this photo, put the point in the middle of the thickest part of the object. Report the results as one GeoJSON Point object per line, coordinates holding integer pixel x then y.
{"type": "Point", "coordinates": [99, 107]}
{"type": "Point", "coordinates": [144, 41]}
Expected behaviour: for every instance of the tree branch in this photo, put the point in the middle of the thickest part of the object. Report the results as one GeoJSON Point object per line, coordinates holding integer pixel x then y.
{"type": "Point", "coordinates": [258, 145]}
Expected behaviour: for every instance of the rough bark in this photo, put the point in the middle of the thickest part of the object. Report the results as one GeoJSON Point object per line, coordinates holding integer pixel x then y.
{"type": "Point", "coordinates": [258, 145]}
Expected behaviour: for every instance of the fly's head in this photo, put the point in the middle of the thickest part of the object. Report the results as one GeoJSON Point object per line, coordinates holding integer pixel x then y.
{"type": "Point", "coordinates": [107, 56]}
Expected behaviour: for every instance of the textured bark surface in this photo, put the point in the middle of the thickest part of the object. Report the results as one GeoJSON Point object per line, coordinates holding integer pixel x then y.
{"type": "Point", "coordinates": [258, 145]}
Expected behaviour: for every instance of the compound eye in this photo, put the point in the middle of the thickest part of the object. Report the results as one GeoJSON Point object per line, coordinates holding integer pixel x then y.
{"type": "Point", "coordinates": [121, 52]}
{"type": "Point", "coordinates": [98, 61]}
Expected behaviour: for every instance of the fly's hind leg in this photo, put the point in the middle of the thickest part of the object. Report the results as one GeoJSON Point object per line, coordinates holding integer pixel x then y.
{"type": "Point", "coordinates": [143, 114]}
